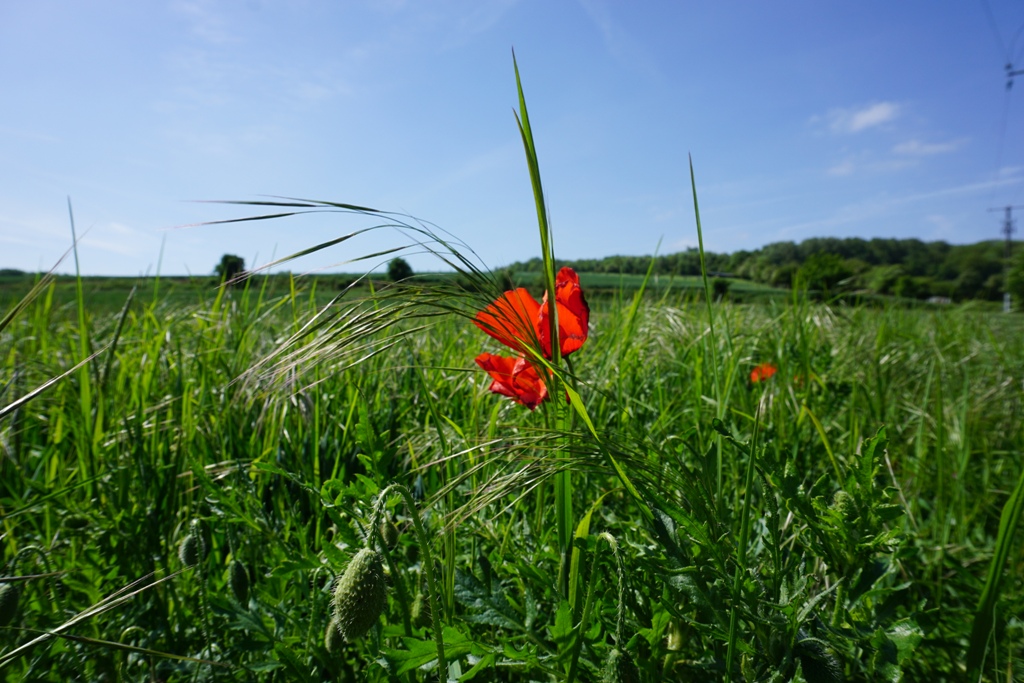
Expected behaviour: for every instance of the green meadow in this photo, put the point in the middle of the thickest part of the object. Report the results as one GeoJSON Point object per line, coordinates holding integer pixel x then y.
{"type": "Point", "coordinates": [885, 450]}
{"type": "Point", "coordinates": [310, 479]}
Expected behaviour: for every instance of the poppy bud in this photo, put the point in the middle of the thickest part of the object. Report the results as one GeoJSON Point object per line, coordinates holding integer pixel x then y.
{"type": "Point", "coordinates": [189, 550]}
{"type": "Point", "coordinates": [8, 603]}
{"type": "Point", "coordinates": [389, 532]}
{"type": "Point", "coordinates": [238, 581]}
{"type": "Point", "coordinates": [818, 662]}
{"type": "Point", "coordinates": [75, 522]}
{"type": "Point", "coordinates": [333, 638]}
{"type": "Point", "coordinates": [361, 595]}
{"type": "Point", "coordinates": [619, 668]}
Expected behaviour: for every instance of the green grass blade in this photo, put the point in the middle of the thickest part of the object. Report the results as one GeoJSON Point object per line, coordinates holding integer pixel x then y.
{"type": "Point", "coordinates": [984, 615]}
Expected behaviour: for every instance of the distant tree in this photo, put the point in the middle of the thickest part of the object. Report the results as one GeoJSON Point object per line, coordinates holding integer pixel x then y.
{"type": "Point", "coordinates": [882, 279]}
{"type": "Point", "coordinates": [906, 287]}
{"type": "Point", "coordinates": [399, 270]}
{"type": "Point", "coordinates": [783, 275]}
{"type": "Point", "coordinates": [1015, 280]}
{"type": "Point", "coordinates": [823, 271]}
{"type": "Point", "coordinates": [229, 268]}
{"type": "Point", "coordinates": [969, 284]}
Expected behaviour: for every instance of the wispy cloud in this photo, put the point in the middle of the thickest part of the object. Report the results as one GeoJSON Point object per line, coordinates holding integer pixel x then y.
{"type": "Point", "coordinates": [619, 43]}
{"type": "Point", "coordinates": [204, 22]}
{"type": "Point", "coordinates": [118, 239]}
{"type": "Point", "coordinates": [873, 208]}
{"type": "Point", "coordinates": [843, 168]}
{"type": "Point", "coordinates": [916, 148]}
{"type": "Point", "coordinates": [856, 119]}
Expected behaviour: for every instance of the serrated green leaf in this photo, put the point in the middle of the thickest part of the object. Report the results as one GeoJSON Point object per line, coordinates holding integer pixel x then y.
{"type": "Point", "coordinates": [906, 635]}
{"type": "Point", "coordinates": [887, 513]}
{"type": "Point", "coordinates": [488, 604]}
{"type": "Point", "coordinates": [561, 630]}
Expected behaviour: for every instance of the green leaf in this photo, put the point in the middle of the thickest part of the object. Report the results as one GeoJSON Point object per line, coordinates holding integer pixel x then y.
{"type": "Point", "coordinates": [561, 631]}
{"type": "Point", "coordinates": [421, 652]}
{"type": "Point", "coordinates": [482, 664]}
{"type": "Point", "coordinates": [488, 603]}
{"type": "Point", "coordinates": [906, 635]}
{"type": "Point", "coordinates": [418, 653]}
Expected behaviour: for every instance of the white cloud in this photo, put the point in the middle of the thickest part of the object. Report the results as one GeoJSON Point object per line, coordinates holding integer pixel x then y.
{"type": "Point", "coordinates": [205, 23]}
{"type": "Point", "coordinates": [857, 119]}
{"type": "Point", "coordinates": [919, 149]}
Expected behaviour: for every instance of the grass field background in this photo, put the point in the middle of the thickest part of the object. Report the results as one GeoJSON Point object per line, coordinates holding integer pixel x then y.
{"type": "Point", "coordinates": [208, 413]}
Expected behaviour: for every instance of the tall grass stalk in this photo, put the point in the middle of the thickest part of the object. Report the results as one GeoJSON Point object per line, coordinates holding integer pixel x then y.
{"type": "Point", "coordinates": [563, 479]}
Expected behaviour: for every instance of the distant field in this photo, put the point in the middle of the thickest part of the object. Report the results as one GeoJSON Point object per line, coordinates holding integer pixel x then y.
{"type": "Point", "coordinates": [110, 293]}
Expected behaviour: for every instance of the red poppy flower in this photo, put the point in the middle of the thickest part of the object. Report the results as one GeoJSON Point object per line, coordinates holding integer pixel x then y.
{"type": "Point", "coordinates": [518, 321]}
{"type": "Point", "coordinates": [762, 372]}
{"type": "Point", "coordinates": [515, 378]}
{"type": "Point", "coordinates": [573, 315]}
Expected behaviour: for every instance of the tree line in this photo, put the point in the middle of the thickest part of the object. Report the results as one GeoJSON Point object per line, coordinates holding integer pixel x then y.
{"type": "Point", "coordinates": [901, 267]}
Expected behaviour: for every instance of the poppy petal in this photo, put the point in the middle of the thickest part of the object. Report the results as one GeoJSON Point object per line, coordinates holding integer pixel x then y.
{"type": "Point", "coordinates": [511, 319]}
{"type": "Point", "coordinates": [515, 378]}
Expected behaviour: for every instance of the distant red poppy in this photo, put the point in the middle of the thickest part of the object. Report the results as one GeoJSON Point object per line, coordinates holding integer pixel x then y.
{"type": "Point", "coordinates": [515, 378]}
{"type": "Point", "coordinates": [518, 321]}
{"type": "Point", "coordinates": [762, 372]}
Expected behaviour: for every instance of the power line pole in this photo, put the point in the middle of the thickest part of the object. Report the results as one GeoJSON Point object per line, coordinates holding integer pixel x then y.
{"type": "Point", "coordinates": [1010, 73]}
{"type": "Point", "coordinates": [1008, 232]}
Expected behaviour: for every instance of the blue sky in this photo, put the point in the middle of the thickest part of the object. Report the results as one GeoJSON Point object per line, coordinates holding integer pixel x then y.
{"type": "Point", "coordinates": [804, 119]}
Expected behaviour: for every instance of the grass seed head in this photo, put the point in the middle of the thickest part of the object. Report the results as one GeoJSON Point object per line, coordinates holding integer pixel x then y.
{"type": "Point", "coordinates": [420, 611]}
{"type": "Point", "coordinates": [238, 581]}
{"type": "Point", "coordinates": [619, 668]}
{"type": "Point", "coordinates": [8, 603]}
{"type": "Point", "coordinates": [361, 595]}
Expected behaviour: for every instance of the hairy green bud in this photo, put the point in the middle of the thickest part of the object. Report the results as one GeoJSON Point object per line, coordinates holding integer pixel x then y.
{"type": "Point", "coordinates": [361, 595]}
{"type": "Point", "coordinates": [818, 662]}
{"type": "Point", "coordinates": [76, 522]}
{"type": "Point", "coordinates": [189, 551]}
{"type": "Point", "coordinates": [619, 668]}
{"type": "Point", "coordinates": [238, 581]}
{"type": "Point", "coordinates": [389, 532]}
{"type": "Point", "coordinates": [333, 639]}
